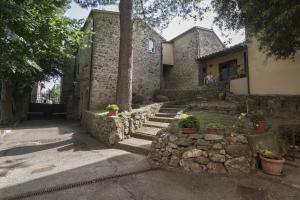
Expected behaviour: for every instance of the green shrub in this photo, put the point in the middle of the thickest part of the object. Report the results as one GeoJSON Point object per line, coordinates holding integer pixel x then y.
{"type": "Point", "coordinates": [256, 118]}
{"type": "Point", "coordinates": [137, 99]}
{"type": "Point", "coordinates": [265, 152]}
{"type": "Point", "coordinates": [174, 127]}
{"type": "Point", "coordinates": [189, 122]}
{"type": "Point", "coordinates": [112, 107]}
{"type": "Point", "coordinates": [215, 125]}
{"type": "Point", "coordinates": [239, 126]}
{"type": "Point", "coordinates": [161, 98]}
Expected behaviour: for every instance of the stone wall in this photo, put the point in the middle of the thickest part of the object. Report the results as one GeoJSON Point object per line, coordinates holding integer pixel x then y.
{"type": "Point", "coordinates": [111, 130]}
{"type": "Point", "coordinates": [146, 65]}
{"type": "Point", "coordinates": [202, 153]}
{"type": "Point", "coordinates": [186, 73]}
{"type": "Point", "coordinates": [208, 92]}
{"type": "Point", "coordinates": [273, 105]}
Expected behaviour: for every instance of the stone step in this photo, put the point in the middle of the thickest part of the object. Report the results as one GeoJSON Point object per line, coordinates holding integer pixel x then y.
{"type": "Point", "coordinates": [135, 145]}
{"type": "Point", "coordinates": [165, 114]}
{"type": "Point", "coordinates": [161, 119]}
{"type": "Point", "coordinates": [156, 124]}
{"type": "Point", "coordinates": [147, 133]}
{"type": "Point", "coordinates": [170, 110]}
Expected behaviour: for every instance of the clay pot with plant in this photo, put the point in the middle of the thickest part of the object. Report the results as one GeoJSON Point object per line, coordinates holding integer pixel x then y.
{"type": "Point", "coordinates": [271, 164]}
{"type": "Point", "coordinates": [259, 122]}
{"type": "Point", "coordinates": [112, 110]}
{"type": "Point", "coordinates": [215, 128]}
{"type": "Point", "coordinates": [189, 125]}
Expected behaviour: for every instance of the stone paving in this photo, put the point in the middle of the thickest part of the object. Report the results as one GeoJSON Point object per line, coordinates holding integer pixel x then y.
{"type": "Point", "coordinates": [41, 154]}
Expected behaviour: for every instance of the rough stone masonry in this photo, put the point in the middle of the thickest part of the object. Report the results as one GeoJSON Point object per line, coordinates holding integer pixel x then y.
{"type": "Point", "coordinates": [202, 153]}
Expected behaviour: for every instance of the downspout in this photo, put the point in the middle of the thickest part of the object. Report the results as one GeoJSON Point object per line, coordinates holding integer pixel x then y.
{"type": "Point", "coordinates": [161, 67]}
{"type": "Point", "coordinates": [91, 64]}
{"type": "Point", "coordinates": [200, 64]}
{"type": "Point", "coordinates": [247, 68]}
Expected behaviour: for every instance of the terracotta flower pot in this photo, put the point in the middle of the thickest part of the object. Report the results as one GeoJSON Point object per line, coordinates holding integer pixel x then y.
{"type": "Point", "coordinates": [215, 131]}
{"type": "Point", "coordinates": [272, 166]}
{"type": "Point", "coordinates": [260, 126]}
{"type": "Point", "coordinates": [112, 113]}
{"type": "Point", "coordinates": [189, 130]}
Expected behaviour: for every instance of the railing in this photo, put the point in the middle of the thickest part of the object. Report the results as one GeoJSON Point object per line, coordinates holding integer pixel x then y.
{"type": "Point", "coordinates": [45, 98]}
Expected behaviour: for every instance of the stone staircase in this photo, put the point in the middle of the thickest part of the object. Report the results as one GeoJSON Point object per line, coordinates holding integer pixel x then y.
{"type": "Point", "coordinates": [140, 141]}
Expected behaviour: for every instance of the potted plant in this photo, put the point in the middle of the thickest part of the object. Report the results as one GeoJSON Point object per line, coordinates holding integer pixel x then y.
{"type": "Point", "coordinates": [214, 128]}
{"type": "Point", "coordinates": [259, 122]}
{"type": "Point", "coordinates": [112, 110]}
{"type": "Point", "coordinates": [271, 164]}
{"type": "Point", "coordinates": [189, 125]}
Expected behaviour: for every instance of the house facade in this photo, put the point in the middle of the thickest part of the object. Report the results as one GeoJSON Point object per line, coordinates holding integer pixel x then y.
{"type": "Point", "coordinates": [251, 72]}
{"type": "Point", "coordinates": [181, 68]}
{"type": "Point", "coordinates": [185, 63]}
{"type": "Point", "coordinates": [90, 79]}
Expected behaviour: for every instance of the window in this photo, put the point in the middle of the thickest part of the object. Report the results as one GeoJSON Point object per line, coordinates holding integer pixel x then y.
{"type": "Point", "coordinates": [228, 70]}
{"type": "Point", "coordinates": [151, 46]}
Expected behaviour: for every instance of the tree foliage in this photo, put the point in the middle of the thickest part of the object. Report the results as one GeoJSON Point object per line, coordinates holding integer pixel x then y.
{"type": "Point", "coordinates": [274, 23]}
{"type": "Point", "coordinates": [35, 38]}
{"type": "Point", "coordinates": [157, 13]}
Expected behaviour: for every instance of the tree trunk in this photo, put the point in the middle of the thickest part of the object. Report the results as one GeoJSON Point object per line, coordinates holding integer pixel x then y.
{"type": "Point", "coordinates": [6, 102]}
{"type": "Point", "coordinates": [124, 84]}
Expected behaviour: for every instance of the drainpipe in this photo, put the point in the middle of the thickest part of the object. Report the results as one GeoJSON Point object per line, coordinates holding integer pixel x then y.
{"type": "Point", "coordinates": [91, 65]}
{"type": "Point", "coordinates": [247, 68]}
{"type": "Point", "coordinates": [161, 67]}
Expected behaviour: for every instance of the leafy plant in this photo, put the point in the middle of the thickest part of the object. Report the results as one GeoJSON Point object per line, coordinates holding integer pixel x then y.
{"type": "Point", "coordinates": [112, 107]}
{"type": "Point", "coordinates": [174, 127]}
{"type": "Point", "coordinates": [215, 125]}
{"type": "Point", "coordinates": [239, 126]}
{"type": "Point", "coordinates": [189, 122]}
{"type": "Point", "coordinates": [256, 118]}
{"type": "Point", "coordinates": [265, 153]}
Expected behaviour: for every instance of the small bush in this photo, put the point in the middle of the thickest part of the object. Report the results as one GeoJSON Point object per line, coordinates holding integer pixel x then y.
{"type": "Point", "coordinates": [137, 99]}
{"type": "Point", "coordinates": [189, 122]}
{"type": "Point", "coordinates": [113, 107]}
{"type": "Point", "coordinates": [174, 127]}
{"type": "Point", "coordinates": [256, 118]}
{"type": "Point", "coordinates": [239, 126]}
{"type": "Point", "coordinates": [161, 98]}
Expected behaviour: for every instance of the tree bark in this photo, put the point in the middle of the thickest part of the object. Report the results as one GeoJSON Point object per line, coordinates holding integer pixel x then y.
{"type": "Point", "coordinates": [124, 83]}
{"type": "Point", "coordinates": [6, 102]}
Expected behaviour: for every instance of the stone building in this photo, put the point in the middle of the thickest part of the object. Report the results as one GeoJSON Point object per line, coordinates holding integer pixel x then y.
{"type": "Point", "coordinates": [181, 67]}
{"type": "Point", "coordinates": [90, 78]}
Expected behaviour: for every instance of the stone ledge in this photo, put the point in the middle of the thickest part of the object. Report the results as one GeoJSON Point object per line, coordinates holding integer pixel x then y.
{"type": "Point", "coordinates": [111, 130]}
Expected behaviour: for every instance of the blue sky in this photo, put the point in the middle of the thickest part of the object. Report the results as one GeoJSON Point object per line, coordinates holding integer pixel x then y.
{"type": "Point", "coordinates": [176, 27]}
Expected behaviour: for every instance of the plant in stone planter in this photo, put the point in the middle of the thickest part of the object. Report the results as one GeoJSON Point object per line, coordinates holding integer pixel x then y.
{"type": "Point", "coordinates": [259, 122]}
{"type": "Point", "coordinates": [271, 164]}
{"type": "Point", "coordinates": [189, 125]}
{"type": "Point", "coordinates": [215, 128]}
{"type": "Point", "coordinates": [112, 109]}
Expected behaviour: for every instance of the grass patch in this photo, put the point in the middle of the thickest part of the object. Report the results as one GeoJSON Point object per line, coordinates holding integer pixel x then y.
{"type": "Point", "coordinates": [205, 118]}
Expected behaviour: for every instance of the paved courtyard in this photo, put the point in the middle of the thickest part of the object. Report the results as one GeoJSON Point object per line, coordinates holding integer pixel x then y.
{"type": "Point", "coordinates": [42, 154]}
